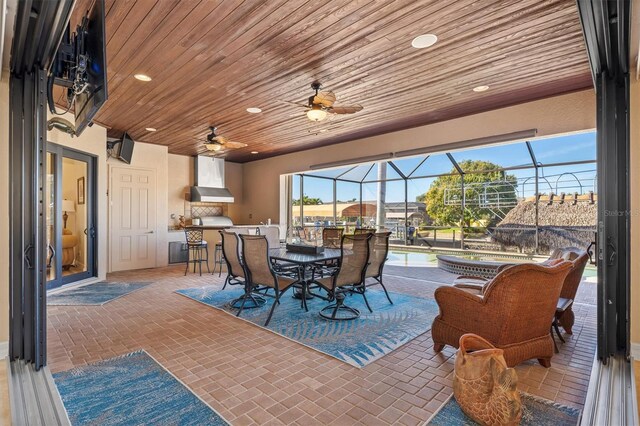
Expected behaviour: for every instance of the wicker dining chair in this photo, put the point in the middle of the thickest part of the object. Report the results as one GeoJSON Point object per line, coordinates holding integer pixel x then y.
{"type": "Point", "coordinates": [331, 237]}
{"type": "Point", "coordinates": [231, 256]}
{"type": "Point", "coordinates": [259, 273]}
{"type": "Point", "coordinates": [349, 277]}
{"type": "Point", "coordinates": [378, 252]}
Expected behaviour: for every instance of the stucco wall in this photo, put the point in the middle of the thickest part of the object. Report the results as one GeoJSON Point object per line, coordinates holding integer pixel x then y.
{"type": "Point", "coordinates": [181, 169]}
{"type": "Point", "coordinates": [561, 114]}
{"type": "Point", "coordinates": [233, 179]}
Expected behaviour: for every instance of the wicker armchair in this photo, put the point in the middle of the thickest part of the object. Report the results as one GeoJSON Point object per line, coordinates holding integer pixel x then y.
{"type": "Point", "coordinates": [231, 256]}
{"type": "Point", "coordinates": [515, 312]}
{"type": "Point", "coordinates": [378, 251]}
{"type": "Point", "coordinates": [259, 273]}
{"type": "Point", "coordinates": [349, 277]}
{"type": "Point", "coordinates": [577, 257]}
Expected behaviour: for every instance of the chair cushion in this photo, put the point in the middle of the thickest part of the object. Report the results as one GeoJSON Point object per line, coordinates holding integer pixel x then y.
{"type": "Point", "coordinates": [473, 285]}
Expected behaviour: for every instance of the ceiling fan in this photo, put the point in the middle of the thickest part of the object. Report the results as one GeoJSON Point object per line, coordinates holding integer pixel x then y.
{"type": "Point", "coordinates": [216, 143]}
{"type": "Point", "coordinates": [322, 103]}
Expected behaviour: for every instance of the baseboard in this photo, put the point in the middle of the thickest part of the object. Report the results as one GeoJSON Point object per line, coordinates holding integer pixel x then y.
{"type": "Point", "coordinates": [4, 349]}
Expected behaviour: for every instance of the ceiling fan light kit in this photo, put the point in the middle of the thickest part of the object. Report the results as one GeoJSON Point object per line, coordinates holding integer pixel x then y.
{"type": "Point", "coordinates": [216, 143]}
{"type": "Point", "coordinates": [321, 104]}
{"type": "Point", "coordinates": [316, 113]}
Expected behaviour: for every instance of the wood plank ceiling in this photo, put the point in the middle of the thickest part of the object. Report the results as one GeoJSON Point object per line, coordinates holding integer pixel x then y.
{"type": "Point", "coordinates": [210, 60]}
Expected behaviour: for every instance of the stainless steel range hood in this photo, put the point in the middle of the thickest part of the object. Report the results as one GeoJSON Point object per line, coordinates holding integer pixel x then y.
{"type": "Point", "coordinates": [210, 181]}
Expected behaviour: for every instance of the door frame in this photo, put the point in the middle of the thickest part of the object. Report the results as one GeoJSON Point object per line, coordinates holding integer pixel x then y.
{"type": "Point", "coordinates": [91, 188]}
{"type": "Point", "coordinates": [110, 210]}
{"type": "Point", "coordinates": [606, 29]}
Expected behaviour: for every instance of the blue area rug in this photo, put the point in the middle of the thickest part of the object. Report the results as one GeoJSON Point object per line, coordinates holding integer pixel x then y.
{"type": "Point", "coordinates": [132, 389]}
{"type": "Point", "coordinates": [357, 342]}
{"type": "Point", "coordinates": [93, 294]}
{"type": "Point", "coordinates": [535, 412]}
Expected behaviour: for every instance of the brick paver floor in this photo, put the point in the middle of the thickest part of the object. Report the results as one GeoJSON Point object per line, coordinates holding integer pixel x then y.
{"type": "Point", "coordinates": [252, 376]}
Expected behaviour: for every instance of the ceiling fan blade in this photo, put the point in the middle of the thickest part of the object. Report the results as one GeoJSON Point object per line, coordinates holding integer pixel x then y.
{"type": "Point", "coordinates": [234, 145]}
{"type": "Point", "coordinates": [325, 99]}
{"type": "Point", "coordinates": [351, 109]}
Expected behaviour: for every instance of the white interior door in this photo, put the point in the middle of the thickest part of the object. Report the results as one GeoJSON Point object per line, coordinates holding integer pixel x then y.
{"type": "Point", "coordinates": [133, 219]}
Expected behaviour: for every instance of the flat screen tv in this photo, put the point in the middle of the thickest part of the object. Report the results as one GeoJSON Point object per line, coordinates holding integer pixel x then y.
{"type": "Point", "coordinates": [91, 46]}
{"type": "Point", "coordinates": [126, 149]}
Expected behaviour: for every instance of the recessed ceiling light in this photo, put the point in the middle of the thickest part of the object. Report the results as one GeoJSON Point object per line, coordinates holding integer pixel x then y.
{"type": "Point", "coordinates": [151, 129]}
{"type": "Point", "coordinates": [254, 110]}
{"type": "Point", "coordinates": [424, 40]}
{"type": "Point", "coordinates": [142, 77]}
{"type": "Point", "coordinates": [255, 152]}
{"type": "Point", "coordinates": [481, 88]}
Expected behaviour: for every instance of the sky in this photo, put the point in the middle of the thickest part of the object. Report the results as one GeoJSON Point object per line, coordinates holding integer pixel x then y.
{"type": "Point", "coordinates": [569, 179]}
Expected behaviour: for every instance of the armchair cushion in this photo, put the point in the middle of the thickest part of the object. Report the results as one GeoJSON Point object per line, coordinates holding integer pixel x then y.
{"type": "Point", "coordinates": [69, 241]}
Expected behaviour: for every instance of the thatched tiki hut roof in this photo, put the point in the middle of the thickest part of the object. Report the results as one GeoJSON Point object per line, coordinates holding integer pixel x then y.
{"type": "Point", "coordinates": [560, 224]}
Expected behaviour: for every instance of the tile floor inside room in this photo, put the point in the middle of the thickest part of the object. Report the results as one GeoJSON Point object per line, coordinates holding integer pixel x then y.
{"type": "Point", "coordinates": [252, 376]}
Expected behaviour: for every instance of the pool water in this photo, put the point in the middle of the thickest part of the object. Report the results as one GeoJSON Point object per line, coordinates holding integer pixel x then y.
{"type": "Point", "coordinates": [403, 258]}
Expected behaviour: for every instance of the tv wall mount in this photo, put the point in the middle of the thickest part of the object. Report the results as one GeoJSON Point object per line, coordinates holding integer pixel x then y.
{"type": "Point", "coordinates": [69, 70]}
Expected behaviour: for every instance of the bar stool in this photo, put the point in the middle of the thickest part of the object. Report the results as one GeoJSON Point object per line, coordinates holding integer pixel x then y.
{"type": "Point", "coordinates": [196, 244]}
{"type": "Point", "coordinates": [218, 259]}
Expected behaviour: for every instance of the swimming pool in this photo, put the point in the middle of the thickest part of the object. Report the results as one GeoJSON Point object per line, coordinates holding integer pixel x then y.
{"type": "Point", "coordinates": [404, 258]}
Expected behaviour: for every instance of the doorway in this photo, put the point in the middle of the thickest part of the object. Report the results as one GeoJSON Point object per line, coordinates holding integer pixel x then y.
{"type": "Point", "coordinates": [70, 216]}
{"type": "Point", "coordinates": [132, 218]}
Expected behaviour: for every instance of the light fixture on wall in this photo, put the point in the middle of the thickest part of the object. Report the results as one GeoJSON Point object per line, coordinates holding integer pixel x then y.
{"type": "Point", "coordinates": [68, 206]}
{"type": "Point", "coordinates": [316, 113]}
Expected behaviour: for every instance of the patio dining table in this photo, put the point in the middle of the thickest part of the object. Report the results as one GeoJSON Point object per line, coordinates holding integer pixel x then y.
{"type": "Point", "coordinates": [304, 264]}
